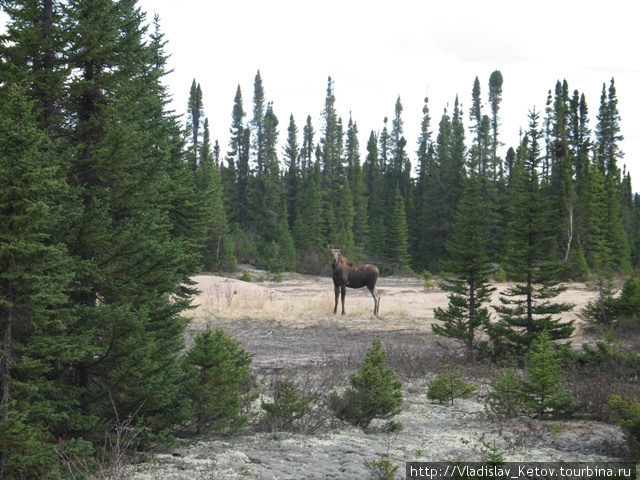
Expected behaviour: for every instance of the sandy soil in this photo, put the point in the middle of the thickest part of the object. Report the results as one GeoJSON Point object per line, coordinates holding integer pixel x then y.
{"type": "Point", "coordinates": [290, 323]}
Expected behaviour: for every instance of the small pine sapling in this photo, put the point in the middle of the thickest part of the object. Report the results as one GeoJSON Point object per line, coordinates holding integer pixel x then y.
{"type": "Point", "coordinates": [449, 386]}
{"type": "Point", "coordinates": [375, 392]}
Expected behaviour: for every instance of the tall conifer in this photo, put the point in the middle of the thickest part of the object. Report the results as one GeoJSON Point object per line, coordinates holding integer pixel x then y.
{"type": "Point", "coordinates": [397, 245]}
{"type": "Point", "coordinates": [358, 188]}
{"type": "Point", "coordinates": [468, 269]}
{"type": "Point", "coordinates": [526, 308]}
{"type": "Point", "coordinates": [38, 342]}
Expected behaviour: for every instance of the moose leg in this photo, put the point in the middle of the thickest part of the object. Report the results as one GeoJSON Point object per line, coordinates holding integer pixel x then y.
{"type": "Point", "coordinates": [343, 292]}
{"type": "Point", "coordinates": [336, 290]}
{"type": "Point", "coordinates": [376, 300]}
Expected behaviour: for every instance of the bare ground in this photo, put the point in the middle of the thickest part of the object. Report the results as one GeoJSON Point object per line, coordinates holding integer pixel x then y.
{"type": "Point", "coordinates": [290, 324]}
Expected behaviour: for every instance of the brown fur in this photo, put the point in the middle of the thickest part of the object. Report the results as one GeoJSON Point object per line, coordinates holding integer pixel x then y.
{"type": "Point", "coordinates": [346, 274]}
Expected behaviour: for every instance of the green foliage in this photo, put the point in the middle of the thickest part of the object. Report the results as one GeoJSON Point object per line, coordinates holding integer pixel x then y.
{"type": "Point", "coordinates": [579, 266]}
{"type": "Point", "coordinates": [493, 457]}
{"type": "Point", "coordinates": [601, 311]}
{"type": "Point", "coordinates": [500, 275]}
{"type": "Point", "coordinates": [217, 250]}
{"type": "Point", "coordinates": [506, 396]}
{"type": "Point", "coordinates": [216, 379]}
{"type": "Point", "coordinates": [526, 308]}
{"type": "Point", "coordinates": [450, 385]}
{"type": "Point", "coordinates": [374, 392]}
{"type": "Point", "coordinates": [626, 412]}
{"type": "Point", "coordinates": [617, 361]}
{"type": "Point", "coordinates": [607, 309]}
{"type": "Point", "coordinates": [23, 454]}
{"type": "Point", "coordinates": [628, 304]}
{"type": "Point", "coordinates": [308, 229]}
{"type": "Point", "coordinates": [244, 248]}
{"type": "Point", "coordinates": [427, 276]}
{"type": "Point", "coordinates": [288, 406]}
{"type": "Point", "coordinates": [381, 468]}
{"type": "Point", "coordinates": [544, 392]}
{"type": "Point", "coordinates": [467, 284]}
{"type": "Point", "coordinates": [398, 234]}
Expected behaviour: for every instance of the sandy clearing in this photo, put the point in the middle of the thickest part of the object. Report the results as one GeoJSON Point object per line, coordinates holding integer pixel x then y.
{"type": "Point", "coordinates": [291, 323]}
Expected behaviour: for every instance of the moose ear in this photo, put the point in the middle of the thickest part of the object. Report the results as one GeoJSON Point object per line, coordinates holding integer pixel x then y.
{"type": "Point", "coordinates": [330, 246]}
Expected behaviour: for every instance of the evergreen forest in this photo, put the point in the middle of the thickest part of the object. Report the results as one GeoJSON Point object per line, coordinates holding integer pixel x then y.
{"type": "Point", "coordinates": [110, 202]}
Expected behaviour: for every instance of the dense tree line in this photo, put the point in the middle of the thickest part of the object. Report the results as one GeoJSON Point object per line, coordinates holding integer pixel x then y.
{"type": "Point", "coordinates": [398, 207]}
{"type": "Point", "coordinates": [321, 186]}
{"type": "Point", "coordinates": [109, 203]}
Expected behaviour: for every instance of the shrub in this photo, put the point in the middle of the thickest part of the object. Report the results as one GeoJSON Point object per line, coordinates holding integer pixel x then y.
{"type": "Point", "coordinates": [288, 406]}
{"type": "Point", "coordinates": [375, 392]}
{"type": "Point", "coordinates": [506, 397]}
{"type": "Point", "coordinates": [382, 468]}
{"type": "Point", "coordinates": [500, 275]}
{"type": "Point", "coordinates": [626, 412]}
{"type": "Point", "coordinates": [628, 304]}
{"type": "Point", "coordinates": [450, 385]}
{"type": "Point", "coordinates": [493, 457]}
{"type": "Point", "coordinates": [216, 380]}
{"type": "Point", "coordinates": [544, 392]}
{"type": "Point", "coordinates": [311, 262]}
{"type": "Point", "coordinates": [578, 264]}
{"type": "Point", "coordinates": [427, 276]}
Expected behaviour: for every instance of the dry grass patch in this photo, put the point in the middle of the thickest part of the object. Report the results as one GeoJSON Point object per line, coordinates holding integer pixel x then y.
{"type": "Point", "coordinates": [230, 298]}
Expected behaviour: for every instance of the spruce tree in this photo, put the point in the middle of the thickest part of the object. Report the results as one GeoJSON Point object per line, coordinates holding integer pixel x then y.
{"type": "Point", "coordinates": [216, 378]}
{"type": "Point", "coordinates": [116, 229]}
{"type": "Point", "coordinates": [257, 124]}
{"type": "Point", "coordinates": [608, 136]}
{"type": "Point", "coordinates": [616, 234]}
{"type": "Point", "coordinates": [38, 41]}
{"type": "Point", "coordinates": [419, 218]}
{"type": "Point", "coordinates": [444, 185]}
{"type": "Point", "coordinates": [293, 176]}
{"type": "Point", "coordinates": [374, 186]}
{"type": "Point", "coordinates": [468, 269]}
{"type": "Point", "coordinates": [235, 172]}
{"type": "Point", "coordinates": [526, 307]}
{"type": "Point", "coordinates": [308, 231]}
{"type": "Point", "coordinates": [133, 259]}
{"type": "Point", "coordinates": [475, 112]}
{"type": "Point", "coordinates": [598, 249]}
{"type": "Point", "coordinates": [37, 338]}
{"type": "Point", "coordinates": [495, 99]}
{"type": "Point", "coordinates": [398, 173]}
{"type": "Point", "coordinates": [342, 217]}
{"type": "Point", "coordinates": [374, 391]}
{"type": "Point", "coordinates": [561, 188]}
{"type": "Point", "coordinates": [195, 123]}
{"type": "Point", "coordinates": [450, 385]}
{"type": "Point", "coordinates": [398, 233]}
{"type": "Point", "coordinates": [436, 210]}
{"type": "Point", "coordinates": [308, 148]}
{"type": "Point", "coordinates": [543, 392]}
{"type": "Point", "coordinates": [217, 251]}
{"type": "Point", "coordinates": [357, 186]}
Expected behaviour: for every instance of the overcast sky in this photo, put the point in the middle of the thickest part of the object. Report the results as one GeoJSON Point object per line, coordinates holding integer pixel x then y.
{"type": "Point", "coordinates": [376, 51]}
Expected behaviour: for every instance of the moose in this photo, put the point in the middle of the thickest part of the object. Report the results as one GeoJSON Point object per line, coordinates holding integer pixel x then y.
{"type": "Point", "coordinates": [346, 274]}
